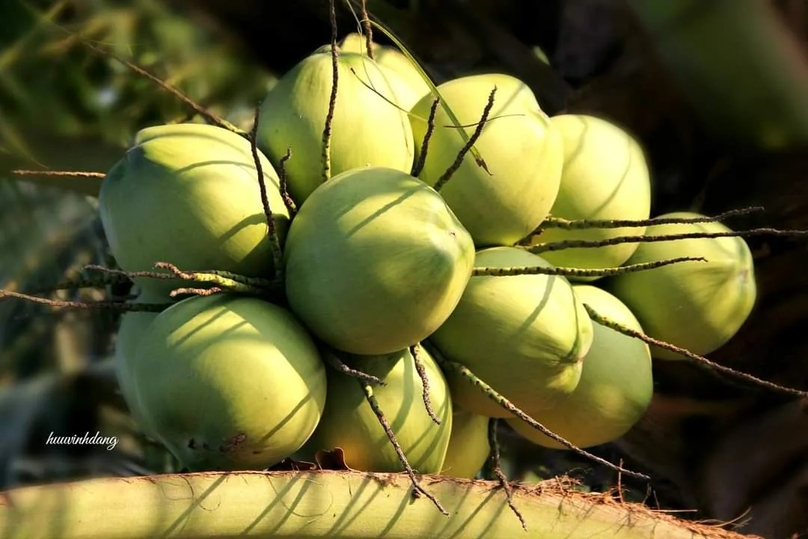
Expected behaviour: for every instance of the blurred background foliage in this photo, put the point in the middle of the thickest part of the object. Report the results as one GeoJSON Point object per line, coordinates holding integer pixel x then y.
{"type": "Point", "coordinates": [65, 107]}
{"type": "Point", "coordinates": [716, 90]}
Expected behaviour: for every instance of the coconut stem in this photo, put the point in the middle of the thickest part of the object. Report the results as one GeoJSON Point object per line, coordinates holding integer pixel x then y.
{"type": "Point", "coordinates": [62, 173]}
{"type": "Point", "coordinates": [256, 284]}
{"type": "Point", "coordinates": [496, 469]}
{"type": "Point", "coordinates": [577, 244]}
{"type": "Point", "coordinates": [110, 276]}
{"type": "Point", "coordinates": [224, 280]}
{"type": "Point", "coordinates": [367, 27]}
{"type": "Point", "coordinates": [332, 102]}
{"type": "Point", "coordinates": [602, 320]}
{"type": "Point", "coordinates": [331, 357]}
{"type": "Point", "coordinates": [421, 370]}
{"type": "Point", "coordinates": [195, 291]}
{"type": "Point", "coordinates": [417, 488]}
{"type": "Point", "coordinates": [193, 105]}
{"type": "Point", "coordinates": [121, 306]}
{"type": "Point", "coordinates": [274, 239]}
{"type": "Point", "coordinates": [463, 151]}
{"type": "Point", "coordinates": [283, 184]}
{"type": "Point", "coordinates": [106, 278]}
{"type": "Point", "coordinates": [577, 272]}
{"type": "Point", "coordinates": [577, 224]}
{"type": "Point", "coordinates": [418, 166]}
{"type": "Point", "coordinates": [79, 182]}
{"type": "Point", "coordinates": [492, 394]}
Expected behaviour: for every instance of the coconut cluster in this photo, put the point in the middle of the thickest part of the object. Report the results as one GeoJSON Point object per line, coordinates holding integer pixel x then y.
{"type": "Point", "coordinates": [390, 250]}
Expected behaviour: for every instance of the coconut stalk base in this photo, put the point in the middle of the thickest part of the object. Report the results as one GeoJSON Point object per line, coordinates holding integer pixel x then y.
{"type": "Point", "coordinates": [338, 504]}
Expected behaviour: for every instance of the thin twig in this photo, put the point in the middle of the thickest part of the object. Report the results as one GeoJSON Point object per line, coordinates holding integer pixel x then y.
{"type": "Point", "coordinates": [620, 485]}
{"type": "Point", "coordinates": [283, 183]}
{"type": "Point", "coordinates": [334, 361]}
{"type": "Point", "coordinates": [175, 272]}
{"type": "Point", "coordinates": [368, 28]}
{"type": "Point", "coordinates": [496, 469]}
{"type": "Point", "coordinates": [558, 222]}
{"type": "Point", "coordinates": [492, 394]}
{"type": "Point", "coordinates": [224, 280]}
{"type": "Point", "coordinates": [195, 291]}
{"type": "Point", "coordinates": [59, 173]}
{"type": "Point", "coordinates": [577, 272]}
{"type": "Point", "coordinates": [473, 139]}
{"type": "Point", "coordinates": [421, 370]}
{"type": "Point", "coordinates": [274, 240]}
{"type": "Point", "coordinates": [602, 320]}
{"type": "Point", "coordinates": [206, 114]}
{"type": "Point", "coordinates": [417, 488]}
{"type": "Point", "coordinates": [332, 102]}
{"type": "Point", "coordinates": [593, 244]}
{"type": "Point", "coordinates": [82, 282]}
{"type": "Point", "coordinates": [430, 129]}
{"type": "Point", "coordinates": [85, 305]}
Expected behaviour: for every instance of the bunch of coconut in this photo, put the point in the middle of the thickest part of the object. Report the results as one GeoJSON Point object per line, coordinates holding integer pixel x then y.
{"type": "Point", "coordinates": [386, 279]}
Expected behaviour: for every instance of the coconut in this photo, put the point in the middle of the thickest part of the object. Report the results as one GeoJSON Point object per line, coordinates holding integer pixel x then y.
{"type": "Point", "coordinates": [523, 335]}
{"type": "Point", "coordinates": [605, 176]}
{"type": "Point", "coordinates": [406, 78]}
{"type": "Point", "coordinates": [188, 194]}
{"type": "Point", "coordinates": [349, 422]}
{"type": "Point", "coordinates": [694, 305]}
{"type": "Point", "coordinates": [469, 447]}
{"type": "Point", "coordinates": [229, 382]}
{"type": "Point", "coordinates": [131, 328]}
{"type": "Point", "coordinates": [521, 148]}
{"type": "Point", "coordinates": [375, 261]}
{"type": "Point", "coordinates": [369, 127]}
{"type": "Point", "coordinates": [616, 383]}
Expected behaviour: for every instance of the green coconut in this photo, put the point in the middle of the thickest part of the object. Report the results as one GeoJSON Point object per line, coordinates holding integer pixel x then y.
{"type": "Point", "coordinates": [229, 382]}
{"type": "Point", "coordinates": [349, 422]}
{"type": "Point", "coordinates": [369, 128]}
{"type": "Point", "coordinates": [521, 148]}
{"type": "Point", "coordinates": [469, 446]}
{"type": "Point", "coordinates": [616, 383]}
{"type": "Point", "coordinates": [188, 194]}
{"type": "Point", "coordinates": [375, 261]}
{"type": "Point", "coordinates": [525, 336]}
{"type": "Point", "coordinates": [605, 176]}
{"type": "Point", "coordinates": [408, 83]}
{"type": "Point", "coordinates": [694, 305]}
{"type": "Point", "coordinates": [131, 328]}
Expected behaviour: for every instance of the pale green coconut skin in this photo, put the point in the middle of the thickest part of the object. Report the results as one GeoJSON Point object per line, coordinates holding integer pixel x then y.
{"type": "Point", "coordinates": [522, 151]}
{"type": "Point", "coordinates": [188, 194]}
{"type": "Point", "coordinates": [694, 305]}
{"type": "Point", "coordinates": [131, 328]}
{"type": "Point", "coordinates": [605, 176]}
{"type": "Point", "coordinates": [368, 128]}
{"type": "Point", "coordinates": [229, 382]}
{"type": "Point", "coordinates": [469, 447]}
{"type": "Point", "coordinates": [349, 422]}
{"type": "Point", "coordinates": [406, 79]}
{"type": "Point", "coordinates": [525, 336]}
{"type": "Point", "coordinates": [375, 261]}
{"type": "Point", "coordinates": [616, 383]}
